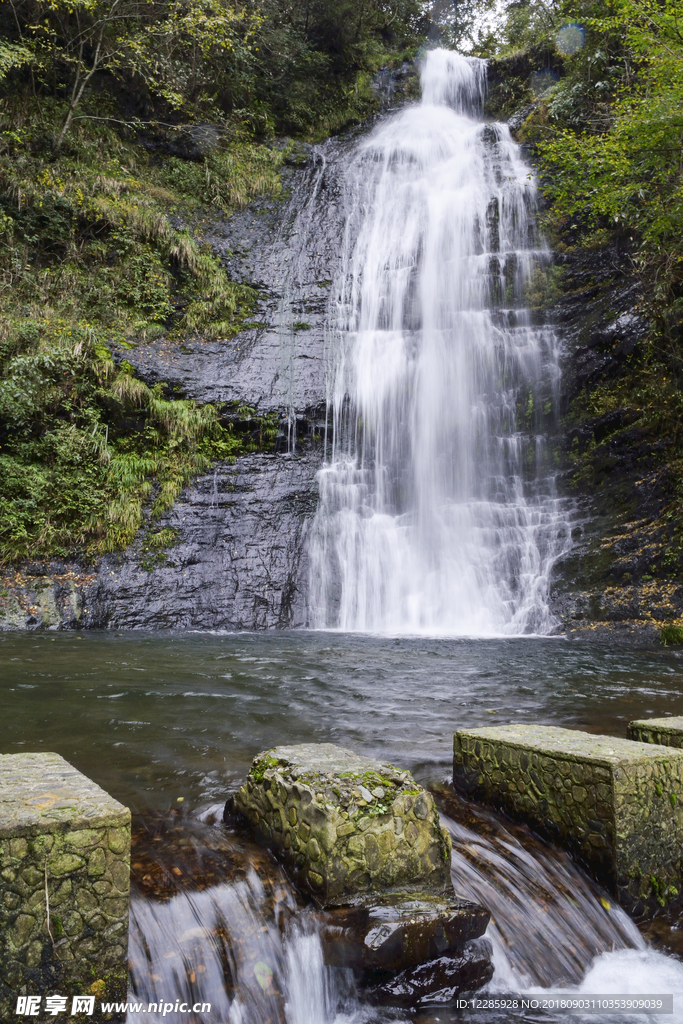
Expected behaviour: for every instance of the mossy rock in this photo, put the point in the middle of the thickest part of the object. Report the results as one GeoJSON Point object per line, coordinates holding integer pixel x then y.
{"type": "Point", "coordinates": [343, 824]}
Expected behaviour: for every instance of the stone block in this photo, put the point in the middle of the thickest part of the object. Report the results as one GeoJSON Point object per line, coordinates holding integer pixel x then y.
{"type": "Point", "coordinates": [615, 804]}
{"type": "Point", "coordinates": [345, 824]}
{"type": "Point", "coordinates": [666, 732]}
{"type": "Point", "coordinates": [61, 838]}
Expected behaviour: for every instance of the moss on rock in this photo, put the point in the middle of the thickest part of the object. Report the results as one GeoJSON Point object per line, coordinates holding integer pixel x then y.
{"type": "Point", "coordinates": [343, 824]}
{"type": "Point", "coordinates": [608, 800]}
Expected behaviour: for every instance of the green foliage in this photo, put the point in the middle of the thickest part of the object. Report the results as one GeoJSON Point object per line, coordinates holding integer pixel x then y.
{"type": "Point", "coordinates": [544, 286]}
{"type": "Point", "coordinates": [92, 230]}
{"type": "Point", "coordinates": [12, 55]}
{"type": "Point", "coordinates": [607, 130]}
{"type": "Point", "coordinates": [259, 768]}
{"type": "Point", "coordinates": [226, 179]}
{"type": "Point", "coordinates": [608, 137]}
{"type": "Point", "coordinates": [260, 429]}
{"type": "Point", "coordinates": [179, 49]}
{"type": "Point", "coordinates": [671, 635]}
{"type": "Point", "coordinates": [89, 254]}
{"type": "Point", "coordinates": [74, 476]}
{"type": "Point", "coordinates": [261, 65]}
{"type": "Point", "coordinates": [313, 60]}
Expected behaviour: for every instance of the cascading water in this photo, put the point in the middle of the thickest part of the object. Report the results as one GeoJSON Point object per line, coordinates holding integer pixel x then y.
{"type": "Point", "coordinates": [225, 933]}
{"type": "Point", "coordinates": [437, 510]}
{"type": "Point", "coordinates": [214, 921]}
{"type": "Point", "coordinates": [535, 891]}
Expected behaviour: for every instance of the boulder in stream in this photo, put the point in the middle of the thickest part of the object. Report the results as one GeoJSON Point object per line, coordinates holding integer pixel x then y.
{"type": "Point", "coordinates": [394, 930]}
{"type": "Point", "coordinates": [366, 842]}
{"type": "Point", "coordinates": [344, 824]}
{"type": "Point", "coordinates": [437, 982]}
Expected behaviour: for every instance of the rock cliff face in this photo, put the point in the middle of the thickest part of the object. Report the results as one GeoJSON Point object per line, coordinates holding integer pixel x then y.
{"type": "Point", "coordinates": [621, 572]}
{"type": "Point", "coordinates": [239, 560]}
{"type": "Point", "coordinates": [238, 563]}
{"type": "Point", "coordinates": [287, 249]}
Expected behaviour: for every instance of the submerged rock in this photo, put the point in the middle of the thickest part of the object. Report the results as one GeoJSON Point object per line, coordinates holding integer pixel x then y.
{"type": "Point", "coordinates": [343, 824]}
{"type": "Point", "coordinates": [437, 982]}
{"type": "Point", "coordinates": [394, 930]}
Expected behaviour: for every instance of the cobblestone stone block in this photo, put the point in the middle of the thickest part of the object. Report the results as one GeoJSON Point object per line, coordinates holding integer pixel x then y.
{"type": "Point", "coordinates": [345, 824]}
{"type": "Point", "coordinates": [666, 732]}
{"type": "Point", "coordinates": [617, 805]}
{"type": "Point", "coordinates": [64, 883]}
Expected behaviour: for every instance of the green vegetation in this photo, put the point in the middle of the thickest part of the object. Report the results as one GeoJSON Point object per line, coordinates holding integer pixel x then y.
{"type": "Point", "coordinates": [124, 125]}
{"type": "Point", "coordinates": [90, 258]}
{"type": "Point", "coordinates": [671, 635]}
{"type": "Point", "coordinates": [259, 769]}
{"type": "Point", "coordinates": [606, 82]}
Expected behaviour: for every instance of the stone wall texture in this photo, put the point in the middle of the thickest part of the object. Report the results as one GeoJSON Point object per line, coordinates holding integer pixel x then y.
{"type": "Point", "coordinates": [666, 732]}
{"type": "Point", "coordinates": [64, 849]}
{"type": "Point", "coordinates": [615, 804]}
{"type": "Point", "coordinates": [344, 824]}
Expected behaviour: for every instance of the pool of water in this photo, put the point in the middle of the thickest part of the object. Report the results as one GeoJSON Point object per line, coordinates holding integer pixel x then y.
{"type": "Point", "coordinates": [157, 717]}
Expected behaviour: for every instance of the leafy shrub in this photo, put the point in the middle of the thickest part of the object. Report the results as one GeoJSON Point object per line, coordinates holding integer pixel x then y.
{"type": "Point", "coordinates": [671, 635]}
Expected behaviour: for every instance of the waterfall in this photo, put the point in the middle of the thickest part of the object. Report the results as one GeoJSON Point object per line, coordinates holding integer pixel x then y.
{"type": "Point", "coordinates": [437, 508]}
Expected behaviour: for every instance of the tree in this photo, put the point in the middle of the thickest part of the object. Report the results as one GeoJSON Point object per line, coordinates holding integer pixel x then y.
{"type": "Point", "coordinates": [175, 47]}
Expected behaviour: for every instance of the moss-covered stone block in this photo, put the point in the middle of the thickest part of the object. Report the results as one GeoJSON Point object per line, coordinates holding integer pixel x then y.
{"type": "Point", "coordinates": [615, 804]}
{"type": "Point", "coordinates": [64, 883]}
{"type": "Point", "coordinates": [345, 824]}
{"type": "Point", "coordinates": [666, 732]}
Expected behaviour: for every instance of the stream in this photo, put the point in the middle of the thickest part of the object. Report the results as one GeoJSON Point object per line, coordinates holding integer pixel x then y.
{"type": "Point", "coordinates": [169, 724]}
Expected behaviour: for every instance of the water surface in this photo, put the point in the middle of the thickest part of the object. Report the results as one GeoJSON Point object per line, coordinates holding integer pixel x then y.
{"type": "Point", "coordinates": [153, 717]}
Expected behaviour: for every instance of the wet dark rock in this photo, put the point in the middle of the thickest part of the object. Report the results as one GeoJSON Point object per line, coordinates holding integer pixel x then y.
{"type": "Point", "coordinates": [188, 142]}
{"type": "Point", "coordinates": [597, 316]}
{"type": "Point", "coordinates": [437, 982]}
{"type": "Point", "coordinates": [299, 154]}
{"type": "Point", "coordinates": [391, 931]}
{"type": "Point", "coordinates": [395, 86]}
{"type": "Point", "coordinates": [620, 572]}
{"type": "Point", "coordinates": [287, 248]}
{"type": "Point", "coordinates": [510, 79]}
{"type": "Point", "coordinates": [239, 561]}
{"type": "Point", "coordinates": [518, 118]}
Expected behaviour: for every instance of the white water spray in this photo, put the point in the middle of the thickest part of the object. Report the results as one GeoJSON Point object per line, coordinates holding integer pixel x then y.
{"type": "Point", "coordinates": [437, 510]}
